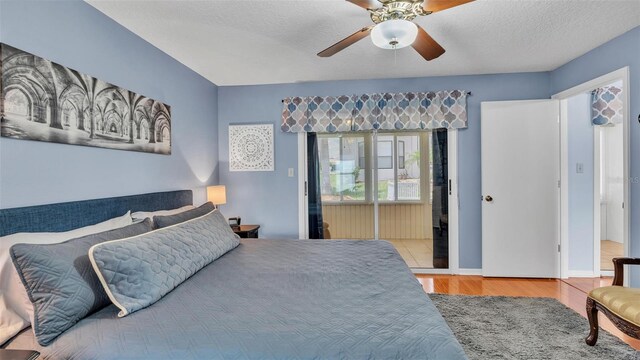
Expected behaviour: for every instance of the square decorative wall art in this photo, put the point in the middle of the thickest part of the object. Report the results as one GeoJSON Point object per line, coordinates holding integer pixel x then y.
{"type": "Point", "coordinates": [251, 148]}
{"type": "Point", "coordinates": [44, 101]}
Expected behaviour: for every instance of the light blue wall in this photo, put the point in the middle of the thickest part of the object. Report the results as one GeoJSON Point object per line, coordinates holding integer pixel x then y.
{"type": "Point", "coordinates": [580, 184]}
{"type": "Point", "coordinates": [270, 198]}
{"type": "Point", "coordinates": [620, 52]}
{"type": "Point", "coordinates": [76, 35]}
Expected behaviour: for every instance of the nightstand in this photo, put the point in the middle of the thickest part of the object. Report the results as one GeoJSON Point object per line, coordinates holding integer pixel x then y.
{"type": "Point", "coordinates": [245, 231]}
{"type": "Point", "coordinates": [18, 354]}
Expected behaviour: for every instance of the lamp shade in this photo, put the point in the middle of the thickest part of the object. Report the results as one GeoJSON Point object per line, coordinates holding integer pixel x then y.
{"type": "Point", "coordinates": [217, 194]}
{"type": "Point", "coordinates": [394, 34]}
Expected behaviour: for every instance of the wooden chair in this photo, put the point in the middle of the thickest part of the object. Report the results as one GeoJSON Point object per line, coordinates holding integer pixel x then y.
{"type": "Point", "coordinates": [620, 304]}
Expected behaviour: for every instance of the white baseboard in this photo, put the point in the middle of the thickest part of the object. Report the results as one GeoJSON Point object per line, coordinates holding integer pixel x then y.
{"type": "Point", "coordinates": [428, 271]}
{"type": "Point", "coordinates": [469, 271]}
{"type": "Point", "coordinates": [572, 273]}
{"type": "Point", "coordinates": [607, 273]}
{"type": "Point", "coordinates": [581, 273]}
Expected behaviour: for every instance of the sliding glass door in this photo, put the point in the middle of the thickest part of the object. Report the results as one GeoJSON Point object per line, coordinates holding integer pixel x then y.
{"type": "Point", "coordinates": [382, 186]}
{"type": "Point", "coordinates": [345, 181]}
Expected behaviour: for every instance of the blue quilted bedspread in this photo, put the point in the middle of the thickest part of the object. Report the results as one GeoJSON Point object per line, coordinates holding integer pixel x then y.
{"type": "Point", "coordinates": [278, 299]}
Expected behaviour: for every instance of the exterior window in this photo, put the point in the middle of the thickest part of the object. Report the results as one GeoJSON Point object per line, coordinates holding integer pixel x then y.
{"type": "Point", "coordinates": [401, 154]}
{"type": "Point", "coordinates": [401, 181]}
{"type": "Point", "coordinates": [361, 158]}
{"type": "Point", "coordinates": [385, 153]}
{"type": "Point", "coordinates": [341, 177]}
{"type": "Point", "coordinates": [345, 162]}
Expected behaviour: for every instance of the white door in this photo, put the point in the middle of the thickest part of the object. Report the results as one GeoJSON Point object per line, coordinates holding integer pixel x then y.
{"type": "Point", "coordinates": [520, 188]}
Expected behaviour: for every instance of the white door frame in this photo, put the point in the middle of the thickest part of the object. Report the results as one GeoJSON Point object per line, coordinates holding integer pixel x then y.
{"type": "Point", "coordinates": [454, 203]}
{"type": "Point", "coordinates": [303, 197]}
{"type": "Point", "coordinates": [607, 79]}
{"type": "Point", "coordinates": [597, 216]}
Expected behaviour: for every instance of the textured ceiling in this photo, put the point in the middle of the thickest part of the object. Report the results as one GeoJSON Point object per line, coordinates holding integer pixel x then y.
{"type": "Point", "coordinates": [260, 42]}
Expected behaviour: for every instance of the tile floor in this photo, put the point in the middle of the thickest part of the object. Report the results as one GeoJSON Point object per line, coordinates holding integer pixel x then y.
{"type": "Point", "coordinates": [417, 253]}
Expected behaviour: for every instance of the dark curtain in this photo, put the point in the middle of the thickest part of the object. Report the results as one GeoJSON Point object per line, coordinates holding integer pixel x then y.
{"type": "Point", "coordinates": [316, 228]}
{"type": "Point", "coordinates": [440, 205]}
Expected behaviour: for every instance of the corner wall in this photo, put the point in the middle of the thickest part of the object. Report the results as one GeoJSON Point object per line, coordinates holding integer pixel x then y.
{"type": "Point", "coordinates": [78, 36]}
{"type": "Point", "coordinates": [613, 55]}
{"type": "Point", "coordinates": [270, 198]}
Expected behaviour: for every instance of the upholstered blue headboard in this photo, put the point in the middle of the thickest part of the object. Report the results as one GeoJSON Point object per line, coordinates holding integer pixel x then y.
{"type": "Point", "coordinates": [72, 215]}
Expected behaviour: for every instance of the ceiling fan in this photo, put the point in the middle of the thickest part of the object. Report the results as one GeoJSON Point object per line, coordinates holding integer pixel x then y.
{"type": "Point", "coordinates": [393, 27]}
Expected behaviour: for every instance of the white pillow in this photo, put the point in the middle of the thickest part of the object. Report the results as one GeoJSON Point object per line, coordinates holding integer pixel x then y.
{"type": "Point", "coordinates": [16, 311]}
{"type": "Point", "coordinates": [141, 215]}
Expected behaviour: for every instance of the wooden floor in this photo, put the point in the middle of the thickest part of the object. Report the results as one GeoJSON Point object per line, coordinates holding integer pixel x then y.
{"type": "Point", "coordinates": [417, 253]}
{"type": "Point", "coordinates": [571, 292]}
{"type": "Point", "coordinates": [609, 250]}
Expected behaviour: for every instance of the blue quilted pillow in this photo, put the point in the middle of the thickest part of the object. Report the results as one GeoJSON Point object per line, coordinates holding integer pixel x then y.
{"type": "Point", "coordinates": [60, 280]}
{"type": "Point", "coordinates": [169, 220]}
{"type": "Point", "coordinates": [138, 271]}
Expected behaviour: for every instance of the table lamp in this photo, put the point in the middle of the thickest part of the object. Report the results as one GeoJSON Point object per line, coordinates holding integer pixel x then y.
{"type": "Point", "coordinates": [217, 194]}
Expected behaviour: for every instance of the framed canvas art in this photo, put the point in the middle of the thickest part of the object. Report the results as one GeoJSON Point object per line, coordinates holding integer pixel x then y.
{"type": "Point", "coordinates": [44, 101]}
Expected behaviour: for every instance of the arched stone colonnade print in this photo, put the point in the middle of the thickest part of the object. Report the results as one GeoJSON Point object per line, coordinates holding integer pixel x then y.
{"type": "Point", "coordinates": [45, 101]}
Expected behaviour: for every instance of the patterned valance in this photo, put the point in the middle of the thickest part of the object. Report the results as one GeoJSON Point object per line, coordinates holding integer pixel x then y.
{"type": "Point", "coordinates": [384, 111]}
{"type": "Point", "coordinates": [606, 106]}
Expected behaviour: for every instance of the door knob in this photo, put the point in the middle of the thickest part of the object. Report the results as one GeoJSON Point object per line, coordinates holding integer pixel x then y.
{"type": "Point", "coordinates": [488, 198]}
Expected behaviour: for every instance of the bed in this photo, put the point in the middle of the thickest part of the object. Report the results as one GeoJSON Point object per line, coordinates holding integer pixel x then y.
{"type": "Point", "coordinates": [266, 299]}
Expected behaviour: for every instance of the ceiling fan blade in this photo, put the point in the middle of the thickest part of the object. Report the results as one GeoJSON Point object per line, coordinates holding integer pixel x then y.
{"type": "Point", "coordinates": [439, 5]}
{"type": "Point", "coordinates": [426, 46]}
{"type": "Point", "coordinates": [366, 4]}
{"type": "Point", "coordinates": [346, 42]}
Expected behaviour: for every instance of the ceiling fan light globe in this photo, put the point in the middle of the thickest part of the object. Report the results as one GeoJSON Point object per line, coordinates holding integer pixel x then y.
{"type": "Point", "coordinates": [394, 34]}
